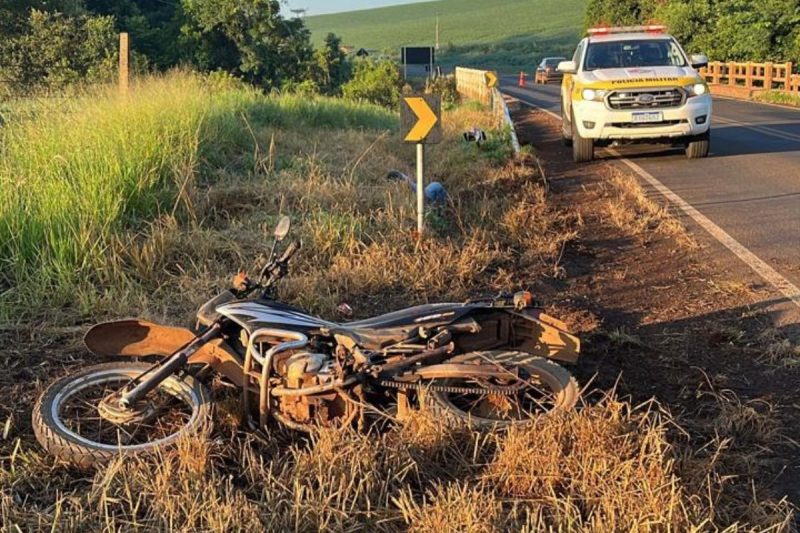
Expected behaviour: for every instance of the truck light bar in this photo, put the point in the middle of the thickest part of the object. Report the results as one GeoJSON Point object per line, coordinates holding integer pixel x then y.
{"type": "Point", "coordinates": [606, 30]}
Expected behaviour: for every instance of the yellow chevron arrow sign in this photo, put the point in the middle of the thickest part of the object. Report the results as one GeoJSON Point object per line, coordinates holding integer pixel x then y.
{"type": "Point", "coordinates": [491, 79]}
{"type": "Point", "coordinates": [420, 117]}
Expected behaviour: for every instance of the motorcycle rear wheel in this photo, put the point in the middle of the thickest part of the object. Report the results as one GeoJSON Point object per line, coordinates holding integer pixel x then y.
{"type": "Point", "coordinates": [545, 388]}
{"type": "Point", "coordinates": [68, 424]}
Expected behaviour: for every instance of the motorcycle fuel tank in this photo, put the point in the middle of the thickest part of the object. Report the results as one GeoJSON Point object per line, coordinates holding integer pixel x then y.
{"type": "Point", "coordinates": [252, 315]}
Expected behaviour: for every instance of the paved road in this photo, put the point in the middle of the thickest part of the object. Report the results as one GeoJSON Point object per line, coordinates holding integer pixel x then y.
{"type": "Point", "coordinates": [749, 186]}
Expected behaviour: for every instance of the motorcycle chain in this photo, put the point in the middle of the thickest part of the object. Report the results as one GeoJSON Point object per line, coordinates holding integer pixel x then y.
{"type": "Point", "coordinates": [505, 390]}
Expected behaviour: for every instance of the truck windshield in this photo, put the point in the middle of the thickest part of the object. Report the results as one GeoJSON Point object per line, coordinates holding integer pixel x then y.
{"type": "Point", "coordinates": [633, 54]}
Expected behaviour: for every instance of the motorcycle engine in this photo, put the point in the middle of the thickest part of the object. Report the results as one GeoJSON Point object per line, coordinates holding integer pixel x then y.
{"type": "Point", "coordinates": [306, 369]}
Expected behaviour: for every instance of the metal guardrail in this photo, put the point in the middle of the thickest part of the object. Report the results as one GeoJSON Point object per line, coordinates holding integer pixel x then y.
{"type": "Point", "coordinates": [500, 110]}
{"type": "Point", "coordinates": [753, 76]}
{"type": "Point", "coordinates": [471, 83]}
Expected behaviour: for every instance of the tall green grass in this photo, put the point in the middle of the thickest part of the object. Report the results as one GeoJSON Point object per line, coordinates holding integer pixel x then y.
{"type": "Point", "coordinates": [75, 172]}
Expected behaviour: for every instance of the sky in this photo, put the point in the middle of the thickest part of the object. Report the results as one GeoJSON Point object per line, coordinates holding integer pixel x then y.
{"type": "Point", "coordinates": [319, 7]}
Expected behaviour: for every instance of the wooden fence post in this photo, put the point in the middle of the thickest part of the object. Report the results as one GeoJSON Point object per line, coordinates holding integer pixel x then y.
{"type": "Point", "coordinates": [768, 76]}
{"type": "Point", "coordinates": [123, 63]}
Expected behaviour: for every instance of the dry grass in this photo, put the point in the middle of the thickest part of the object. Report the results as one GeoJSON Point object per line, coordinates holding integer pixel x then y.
{"type": "Point", "coordinates": [631, 209]}
{"type": "Point", "coordinates": [608, 468]}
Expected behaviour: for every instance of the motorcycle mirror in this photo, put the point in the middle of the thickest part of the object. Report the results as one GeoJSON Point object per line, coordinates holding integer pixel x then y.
{"type": "Point", "coordinates": [282, 229]}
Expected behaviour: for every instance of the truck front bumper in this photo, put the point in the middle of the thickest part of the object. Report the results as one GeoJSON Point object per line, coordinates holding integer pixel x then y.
{"type": "Point", "coordinates": [594, 120]}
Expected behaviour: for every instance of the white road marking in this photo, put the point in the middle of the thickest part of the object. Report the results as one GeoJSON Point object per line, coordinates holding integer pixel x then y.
{"type": "Point", "coordinates": [769, 274]}
{"type": "Point", "coordinates": [787, 288]}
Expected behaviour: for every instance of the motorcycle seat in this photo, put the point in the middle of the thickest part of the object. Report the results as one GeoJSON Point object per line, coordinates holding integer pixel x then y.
{"type": "Point", "coordinates": [398, 326]}
{"type": "Point", "coordinates": [371, 338]}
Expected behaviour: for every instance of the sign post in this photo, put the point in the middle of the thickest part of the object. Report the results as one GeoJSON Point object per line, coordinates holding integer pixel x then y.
{"type": "Point", "coordinates": [491, 83]}
{"type": "Point", "coordinates": [420, 124]}
{"type": "Point", "coordinates": [123, 63]}
{"type": "Point", "coordinates": [420, 188]}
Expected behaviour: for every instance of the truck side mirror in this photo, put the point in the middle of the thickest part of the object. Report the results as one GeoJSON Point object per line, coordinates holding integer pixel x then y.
{"type": "Point", "coordinates": [699, 60]}
{"type": "Point", "coordinates": [568, 67]}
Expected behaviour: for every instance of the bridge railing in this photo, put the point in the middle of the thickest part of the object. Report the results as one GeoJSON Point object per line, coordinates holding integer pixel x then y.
{"type": "Point", "coordinates": [751, 76]}
{"type": "Point", "coordinates": [471, 83]}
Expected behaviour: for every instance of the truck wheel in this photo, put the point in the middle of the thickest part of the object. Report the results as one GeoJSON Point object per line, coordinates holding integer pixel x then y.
{"type": "Point", "coordinates": [582, 149]}
{"type": "Point", "coordinates": [698, 147]}
{"type": "Point", "coordinates": [566, 134]}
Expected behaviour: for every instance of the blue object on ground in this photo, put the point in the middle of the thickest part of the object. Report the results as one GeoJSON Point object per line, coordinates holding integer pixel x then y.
{"type": "Point", "coordinates": [435, 192]}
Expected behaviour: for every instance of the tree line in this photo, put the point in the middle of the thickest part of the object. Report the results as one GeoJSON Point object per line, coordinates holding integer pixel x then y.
{"type": "Point", "coordinates": [726, 30]}
{"type": "Point", "coordinates": [53, 43]}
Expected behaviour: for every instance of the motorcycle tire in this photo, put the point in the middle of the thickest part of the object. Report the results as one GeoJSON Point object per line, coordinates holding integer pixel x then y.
{"type": "Point", "coordinates": [562, 385]}
{"type": "Point", "coordinates": [62, 438]}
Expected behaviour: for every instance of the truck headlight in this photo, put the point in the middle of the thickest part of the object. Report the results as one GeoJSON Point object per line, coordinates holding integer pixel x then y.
{"type": "Point", "coordinates": [593, 94]}
{"type": "Point", "coordinates": [698, 89]}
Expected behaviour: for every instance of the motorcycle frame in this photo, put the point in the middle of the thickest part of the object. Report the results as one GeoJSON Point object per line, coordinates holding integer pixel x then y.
{"type": "Point", "coordinates": [138, 338]}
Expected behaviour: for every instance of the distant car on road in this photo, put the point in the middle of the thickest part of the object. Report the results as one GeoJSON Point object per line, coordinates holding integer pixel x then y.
{"type": "Point", "coordinates": [634, 84]}
{"type": "Point", "coordinates": [547, 70]}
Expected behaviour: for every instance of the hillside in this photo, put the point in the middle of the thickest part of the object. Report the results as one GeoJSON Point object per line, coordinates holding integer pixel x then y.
{"type": "Point", "coordinates": [514, 33]}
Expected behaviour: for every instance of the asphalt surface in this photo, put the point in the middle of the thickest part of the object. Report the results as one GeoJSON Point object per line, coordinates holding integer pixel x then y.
{"type": "Point", "coordinates": [749, 185]}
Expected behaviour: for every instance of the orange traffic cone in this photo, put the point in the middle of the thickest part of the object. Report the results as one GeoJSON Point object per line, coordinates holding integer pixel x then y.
{"type": "Point", "coordinates": [522, 79]}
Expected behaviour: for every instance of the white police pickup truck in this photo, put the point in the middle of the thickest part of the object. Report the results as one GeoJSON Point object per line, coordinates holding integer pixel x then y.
{"type": "Point", "coordinates": [634, 84]}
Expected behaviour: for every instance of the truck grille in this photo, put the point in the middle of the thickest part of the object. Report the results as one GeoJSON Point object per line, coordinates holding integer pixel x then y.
{"type": "Point", "coordinates": [646, 99]}
{"type": "Point", "coordinates": [632, 125]}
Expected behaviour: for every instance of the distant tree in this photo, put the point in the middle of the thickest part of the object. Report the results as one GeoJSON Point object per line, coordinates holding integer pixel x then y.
{"type": "Point", "coordinates": [249, 38]}
{"type": "Point", "coordinates": [53, 49]}
{"type": "Point", "coordinates": [376, 81]}
{"type": "Point", "coordinates": [332, 69]}
{"type": "Point", "coordinates": [617, 12]}
{"type": "Point", "coordinates": [738, 30]}
{"type": "Point", "coordinates": [154, 26]}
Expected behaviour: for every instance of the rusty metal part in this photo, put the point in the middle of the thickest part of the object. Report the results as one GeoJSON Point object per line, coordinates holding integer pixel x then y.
{"type": "Point", "coordinates": [109, 408]}
{"type": "Point", "coordinates": [545, 336]}
{"type": "Point", "coordinates": [297, 340]}
{"type": "Point", "coordinates": [456, 370]}
{"type": "Point", "coordinates": [138, 338]}
{"type": "Point", "coordinates": [390, 368]}
{"type": "Point", "coordinates": [291, 424]}
{"type": "Point", "coordinates": [316, 389]}
{"type": "Point", "coordinates": [433, 387]}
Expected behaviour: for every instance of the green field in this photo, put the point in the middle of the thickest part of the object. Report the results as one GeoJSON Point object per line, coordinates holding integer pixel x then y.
{"type": "Point", "coordinates": [509, 34]}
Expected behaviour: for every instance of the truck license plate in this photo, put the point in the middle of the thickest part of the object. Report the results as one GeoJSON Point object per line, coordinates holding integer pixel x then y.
{"type": "Point", "coordinates": [648, 116]}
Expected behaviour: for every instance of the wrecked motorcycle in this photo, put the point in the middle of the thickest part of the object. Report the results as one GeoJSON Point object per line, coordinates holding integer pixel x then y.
{"type": "Point", "coordinates": [485, 362]}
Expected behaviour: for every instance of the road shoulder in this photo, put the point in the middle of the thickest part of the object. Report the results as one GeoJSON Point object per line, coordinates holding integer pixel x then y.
{"type": "Point", "coordinates": [669, 317]}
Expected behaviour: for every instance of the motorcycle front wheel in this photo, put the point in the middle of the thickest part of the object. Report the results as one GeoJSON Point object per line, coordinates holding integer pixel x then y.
{"type": "Point", "coordinates": [70, 421]}
{"type": "Point", "coordinates": [533, 387]}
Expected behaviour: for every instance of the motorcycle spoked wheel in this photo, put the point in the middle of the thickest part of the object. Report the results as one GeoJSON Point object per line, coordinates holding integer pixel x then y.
{"type": "Point", "coordinates": [68, 425]}
{"type": "Point", "coordinates": [547, 388]}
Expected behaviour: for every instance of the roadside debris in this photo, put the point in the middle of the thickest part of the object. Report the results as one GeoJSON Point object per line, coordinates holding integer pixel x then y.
{"type": "Point", "coordinates": [435, 193]}
{"type": "Point", "coordinates": [475, 135]}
